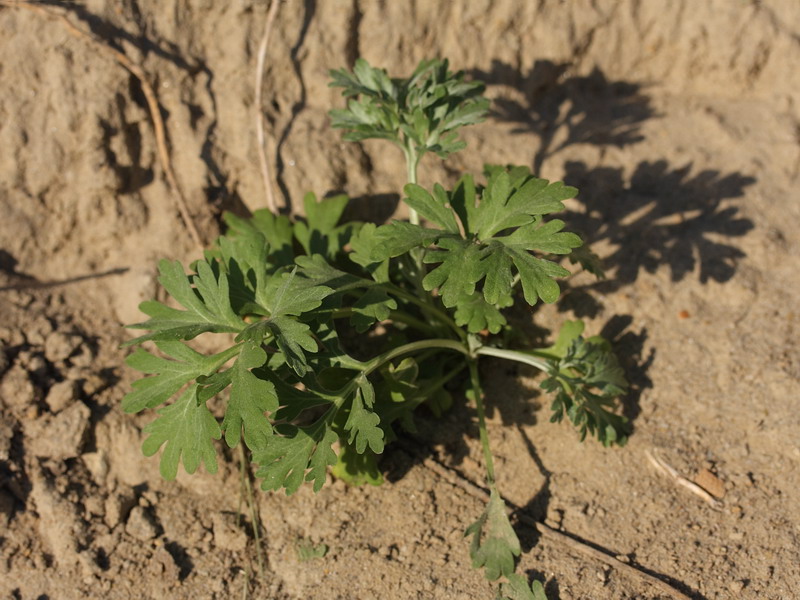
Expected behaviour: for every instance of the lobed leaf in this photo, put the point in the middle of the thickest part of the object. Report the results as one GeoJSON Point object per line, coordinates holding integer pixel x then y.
{"type": "Point", "coordinates": [459, 271]}
{"type": "Point", "coordinates": [187, 429]}
{"type": "Point", "coordinates": [400, 237]}
{"type": "Point", "coordinates": [373, 306]}
{"type": "Point", "coordinates": [250, 399]}
{"type": "Point", "coordinates": [517, 588]}
{"type": "Point", "coordinates": [494, 543]}
{"type": "Point", "coordinates": [299, 454]}
{"type": "Point", "coordinates": [208, 305]}
{"type": "Point", "coordinates": [320, 232]}
{"type": "Point", "coordinates": [363, 424]}
{"type": "Point", "coordinates": [477, 314]}
{"type": "Point", "coordinates": [586, 380]}
{"type": "Point", "coordinates": [169, 375]}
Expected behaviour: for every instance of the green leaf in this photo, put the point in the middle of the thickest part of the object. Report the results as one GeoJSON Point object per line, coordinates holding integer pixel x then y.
{"type": "Point", "coordinates": [507, 202]}
{"type": "Point", "coordinates": [250, 398]}
{"type": "Point", "coordinates": [375, 305]}
{"type": "Point", "coordinates": [284, 298]}
{"type": "Point", "coordinates": [494, 544]}
{"type": "Point", "coordinates": [434, 208]}
{"type": "Point", "coordinates": [400, 237]}
{"type": "Point", "coordinates": [513, 202]}
{"type": "Point", "coordinates": [587, 380]}
{"type": "Point", "coordinates": [423, 111]}
{"type": "Point", "coordinates": [459, 271]}
{"type": "Point", "coordinates": [319, 272]}
{"type": "Point", "coordinates": [292, 295]}
{"type": "Point", "coordinates": [170, 375]}
{"type": "Point", "coordinates": [319, 233]}
{"type": "Point", "coordinates": [364, 245]}
{"type": "Point", "coordinates": [187, 428]}
{"type": "Point", "coordinates": [306, 550]}
{"type": "Point", "coordinates": [499, 279]}
{"type": "Point", "coordinates": [208, 305]}
{"type": "Point", "coordinates": [299, 454]}
{"type": "Point", "coordinates": [477, 314]}
{"type": "Point", "coordinates": [363, 424]}
{"type": "Point", "coordinates": [544, 237]}
{"type": "Point", "coordinates": [276, 230]}
{"type": "Point", "coordinates": [537, 276]}
{"type": "Point", "coordinates": [463, 202]}
{"type": "Point", "coordinates": [517, 589]}
{"type": "Point", "coordinates": [357, 469]}
{"type": "Point", "coordinates": [292, 337]}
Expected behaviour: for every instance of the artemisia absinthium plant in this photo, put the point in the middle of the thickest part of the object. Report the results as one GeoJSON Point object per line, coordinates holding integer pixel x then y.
{"type": "Point", "coordinates": [284, 294]}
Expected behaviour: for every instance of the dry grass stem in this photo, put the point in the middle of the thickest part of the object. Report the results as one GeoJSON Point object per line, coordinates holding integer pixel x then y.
{"type": "Point", "coordinates": [266, 176]}
{"type": "Point", "coordinates": [670, 471]}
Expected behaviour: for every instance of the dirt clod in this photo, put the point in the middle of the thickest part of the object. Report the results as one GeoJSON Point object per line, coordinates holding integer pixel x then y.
{"type": "Point", "coordinates": [141, 524]}
{"type": "Point", "coordinates": [59, 436]}
{"type": "Point", "coordinates": [59, 346]}
{"type": "Point", "coordinates": [61, 395]}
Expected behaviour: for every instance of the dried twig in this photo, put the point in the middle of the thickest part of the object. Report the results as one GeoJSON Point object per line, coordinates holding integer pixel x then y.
{"type": "Point", "coordinates": [262, 152]}
{"type": "Point", "coordinates": [668, 470]}
{"type": "Point", "coordinates": [474, 490]}
{"type": "Point", "coordinates": [152, 103]}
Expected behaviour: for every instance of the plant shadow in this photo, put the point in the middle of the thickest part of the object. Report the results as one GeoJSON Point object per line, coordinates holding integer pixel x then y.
{"type": "Point", "coordinates": [564, 109]}
{"type": "Point", "coordinates": [659, 216]}
{"type": "Point", "coordinates": [655, 215]}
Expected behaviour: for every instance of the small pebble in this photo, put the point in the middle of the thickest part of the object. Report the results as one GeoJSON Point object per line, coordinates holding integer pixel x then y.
{"type": "Point", "coordinates": [736, 586]}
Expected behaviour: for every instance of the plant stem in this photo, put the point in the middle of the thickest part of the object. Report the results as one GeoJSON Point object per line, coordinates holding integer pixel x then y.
{"type": "Point", "coordinates": [522, 357]}
{"type": "Point", "coordinates": [444, 344]}
{"type": "Point", "coordinates": [484, 434]}
{"type": "Point", "coordinates": [411, 169]}
{"type": "Point", "coordinates": [254, 514]}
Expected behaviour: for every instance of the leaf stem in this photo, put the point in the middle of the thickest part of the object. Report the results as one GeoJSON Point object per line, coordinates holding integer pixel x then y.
{"type": "Point", "coordinates": [484, 434]}
{"type": "Point", "coordinates": [515, 355]}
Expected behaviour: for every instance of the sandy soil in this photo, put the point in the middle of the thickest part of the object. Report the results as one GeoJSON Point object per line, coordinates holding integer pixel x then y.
{"type": "Point", "coordinates": [680, 123]}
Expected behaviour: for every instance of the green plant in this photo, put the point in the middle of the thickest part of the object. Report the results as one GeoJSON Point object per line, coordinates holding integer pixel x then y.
{"type": "Point", "coordinates": [308, 550]}
{"type": "Point", "coordinates": [297, 304]}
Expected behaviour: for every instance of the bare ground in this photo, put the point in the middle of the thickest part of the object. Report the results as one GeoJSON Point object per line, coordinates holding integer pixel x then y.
{"type": "Point", "coordinates": [679, 122]}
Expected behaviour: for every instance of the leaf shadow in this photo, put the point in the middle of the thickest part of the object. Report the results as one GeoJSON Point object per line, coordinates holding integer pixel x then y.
{"type": "Point", "coordinates": [564, 109]}
{"type": "Point", "coordinates": [660, 215]}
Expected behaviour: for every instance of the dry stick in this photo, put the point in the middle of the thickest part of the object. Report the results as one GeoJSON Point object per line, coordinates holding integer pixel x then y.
{"type": "Point", "coordinates": [262, 152]}
{"type": "Point", "coordinates": [670, 471]}
{"type": "Point", "coordinates": [152, 103]}
{"type": "Point", "coordinates": [548, 532]}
